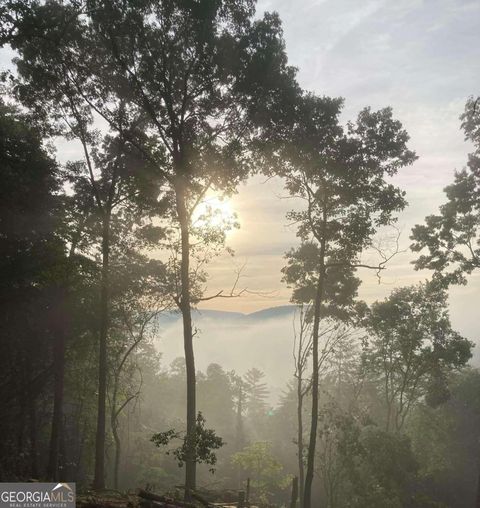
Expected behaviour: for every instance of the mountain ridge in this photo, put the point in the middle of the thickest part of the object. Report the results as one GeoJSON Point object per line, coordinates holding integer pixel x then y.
{"type": "Point", "coordinates": [267, 313]}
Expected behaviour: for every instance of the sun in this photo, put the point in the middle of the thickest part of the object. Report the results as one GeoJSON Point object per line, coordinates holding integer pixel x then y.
{"type": "Point", "coordinates": [215, 211]}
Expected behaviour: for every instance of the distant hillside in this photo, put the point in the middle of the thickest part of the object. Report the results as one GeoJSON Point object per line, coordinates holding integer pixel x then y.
{"type": "Point", "coordinates": [236, 341]}
{"type": "Point", "coordinates": [200, 314]}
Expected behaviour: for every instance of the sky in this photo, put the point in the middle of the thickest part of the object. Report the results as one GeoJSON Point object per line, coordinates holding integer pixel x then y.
{"type": "Point", "coordinates": [418, 56]}
{"type": "Point", "coordinates": [421, 58]}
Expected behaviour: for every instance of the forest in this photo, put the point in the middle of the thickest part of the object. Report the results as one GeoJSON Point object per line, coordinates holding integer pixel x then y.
{"type": "Point", "coordinates": [171, 107]}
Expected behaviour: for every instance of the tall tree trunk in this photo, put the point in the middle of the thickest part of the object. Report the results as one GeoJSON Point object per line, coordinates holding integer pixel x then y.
{"type": "Point", "coordinates": [22, 416]}
{"type": "Point", "coordinates": [62, 329]}
{"type": "Point", "coordinates": [294, 496]}
{"type": "Point", "coordinates": [301, 469]}
{"type": "Point", "coordinates": [185, 308]}
{"type": "Point", "coordinates": [59, 380]}
{"type": "Point", "coordinates": [477, 502]}
{"type": "Point", "coordinates": [99, 479]}
{"type": "Point", "coordinates": [239, 438]}
{"type": "Point", "coordinates": [114, 425]}
{"type": "Point", "coordinates": [32, 421]}
{"type": "Point", "coordinates": [307, 496]}
{"type": "Point", "coordinates": [118, 451]}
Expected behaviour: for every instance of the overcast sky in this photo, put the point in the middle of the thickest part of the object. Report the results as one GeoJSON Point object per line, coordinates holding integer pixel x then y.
{"type": "Point", "coordinates": [421, 58]}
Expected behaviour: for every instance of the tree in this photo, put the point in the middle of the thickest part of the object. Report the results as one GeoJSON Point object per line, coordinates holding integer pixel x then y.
{"type": "Point", "coordinates": [361, 465]}
{"type": "Point", "coordinates": [412, 348]}
{"type": "Point", "coordinates": [45, 86]}
{"type": "Point", "coordinates": [258, 462]}
{"type": "Point", "coordinates": [239, 396]}
{"type": "Point", "coordinates": [32, 258]}
{"type": "Point", "coordinates": [206, 441]}
{"type": "Point", "coordinates": [137, 301]}
{"type": "Point", "coordinates": [445, 441]}
{"type": "Point", "coordinates": [302, 349]}
{"type": "Point", "coordinates": [256, 393]}
{"type": "Point", "coordinates": [75, 219]}
{"type": "Point", "coordinates": [340, 174]}
{"type": "Point", "coordinates": [216, 400]}
{"type": "Point", "coordinates": [339, 450]}
{"type": "Point", "coordinates": [192, 77]}
{"type": "Point", "coordinates": [388, 466]}
{"type": "Point", "coordinates": [452, 238]}
{"type": "Point", "coordinates": [332, 336]}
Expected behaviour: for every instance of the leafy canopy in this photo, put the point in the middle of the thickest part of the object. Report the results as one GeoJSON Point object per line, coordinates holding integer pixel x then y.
{"type": "Point", "coordinates": [449, 243]}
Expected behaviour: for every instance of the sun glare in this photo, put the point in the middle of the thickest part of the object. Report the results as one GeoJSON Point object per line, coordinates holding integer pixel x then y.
{"type": "Point", "coordinates": [215, 212]}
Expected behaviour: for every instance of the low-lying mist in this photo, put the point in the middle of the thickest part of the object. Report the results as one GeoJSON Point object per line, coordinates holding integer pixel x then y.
{"type": "Point", "coordinates": [237, 342]}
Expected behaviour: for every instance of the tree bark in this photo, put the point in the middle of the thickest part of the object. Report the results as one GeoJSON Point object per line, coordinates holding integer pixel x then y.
{"type": "Point", "coordinates": [59, 381]}
{"type": "Point", "coordinates": [99, 478]}
{"type": "Point", "coordinates": [294, 497]}
{"type": "Point", "coordinates": [477, 502]}
{"type": "Point", "coordinates": [116, 464]}
{"type": "Point", "coordinates": [185, 308]}
{"type": "Point", "coordinates": [239, 438]}
{"type": "Point", "coordinates": [32, 410]}
{"type": "Point", "coordinates": [307, 496]}
{"type": "Point", "coordinates": [61, 332]}
{"type": "Point", "coordinates": [301, 468]}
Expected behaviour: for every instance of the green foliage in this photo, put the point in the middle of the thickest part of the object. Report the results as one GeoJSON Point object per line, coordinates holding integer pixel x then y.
{"type": "Point", "coordinates": [445, 442]}
{"type": "Point", "coordinates": [32, 266]}
{"type": "Point", "coordinates": [339, 451]}
{"type": "Point", "coordinates": [360, 465]}
{"type": "Point", "coordinates": [265, 471]}
{"type": "Point", "coordinates": [341, 174]}
{"type": "Point", "coordinates": [411, 348]}
{"type": "Point", "coordinates": [450, 241]}
{"type": "Point", "coordinates": [256, 392]}
{"type": "Point", "coordinates": [388, 466]}
{"type": "Point", "coordinates": [206, 441]}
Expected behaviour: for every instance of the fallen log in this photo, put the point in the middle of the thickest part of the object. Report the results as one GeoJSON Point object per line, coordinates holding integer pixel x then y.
{"type": "Point", "coordinates": [105, 500]}
{"type": "Point", "coordinates": [145, 503]}
{"type": "Point", "coordinates": [201, 499]}
{"type": "Point", "coordinates": [150, 496]}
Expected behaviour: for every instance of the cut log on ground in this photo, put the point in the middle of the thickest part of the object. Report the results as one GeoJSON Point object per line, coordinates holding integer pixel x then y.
{"type": "Point", "coordinates": [155, 498]}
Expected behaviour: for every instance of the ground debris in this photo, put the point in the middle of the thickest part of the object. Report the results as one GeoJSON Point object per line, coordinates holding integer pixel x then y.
{"type": "Point", "coordinates": [146, 499]}
{"type": "Point", "coordinates": [107, 499]}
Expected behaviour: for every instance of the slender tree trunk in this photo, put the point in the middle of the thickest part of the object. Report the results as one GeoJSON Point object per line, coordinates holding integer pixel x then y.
{"type": "Point", "coordinates": [99, 479]}
{"type": "Point", "coordinates": [63, 452]}
{"type": "Point", "coordinates": [294, 496]}
{"type": "Point", "coordinates": [114, 425]}
{"type": "Point", "coordinates": [22, 416]}
{"type": "Point", "coordinates": [477, 502]}
{"type": "Point", "coordinates": [61, 332]}
{"type": "Point", "coordinates": [81, 445]}
{"type": "Point", "coordinates": [59, 380]}
{"type": "Point", "coordinates": [239, 441]}
{"type": "Point", "coordinates": [118, 451]}
{"type": "Point", "coordinates": [185, 308]}
{"type": "Point", "coordinates": [32, 420]}
{"type": "Point", "coordinates": [239, 424]}
{"type": "Point", "coordinates": [307, 496]}
{"type": "Point", "coordinates": [389, 417]}
{"type": "Point", "coordinates": [301, 469]}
